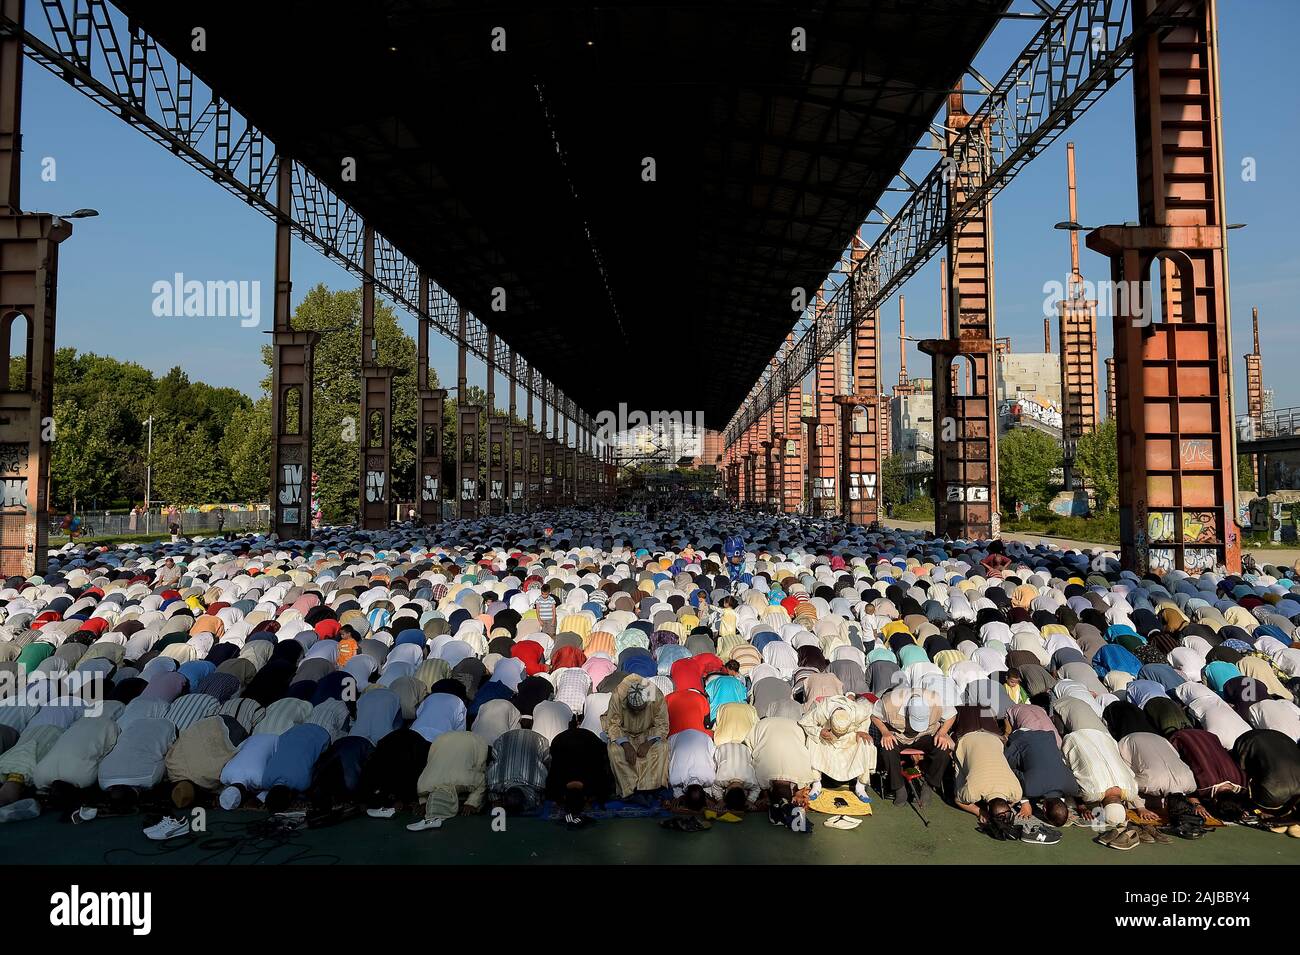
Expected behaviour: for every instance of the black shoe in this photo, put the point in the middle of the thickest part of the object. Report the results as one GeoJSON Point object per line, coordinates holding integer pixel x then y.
{"type": "Point", "coordinates": [922, 794]}
{"type": "Point", "coordinates": [900, 796]}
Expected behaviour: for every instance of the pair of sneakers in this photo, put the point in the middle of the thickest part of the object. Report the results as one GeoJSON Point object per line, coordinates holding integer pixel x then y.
{"type": "Point", "coordinates": [1124, 838]}
{"type": "Point", "coordinates": [847, 823]}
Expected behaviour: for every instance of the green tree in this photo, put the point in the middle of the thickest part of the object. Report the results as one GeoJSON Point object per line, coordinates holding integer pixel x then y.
{"type": "Point", "coordinates": [246, 448]}
{"type": "Point", "coordinates": [1245, 473]}
{"type": "Point", "coordinates": [1096, 458]}
{"type": "Point", "coordinates": [893, 479]}
{"type": "Point", "coordinates": [1026, 458]}
{"type": "Point", "coordinates": [86, 459]}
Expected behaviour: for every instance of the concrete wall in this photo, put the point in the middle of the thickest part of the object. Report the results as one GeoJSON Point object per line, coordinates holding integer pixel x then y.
{"type": "Point", "coordinates": [1034, 373]}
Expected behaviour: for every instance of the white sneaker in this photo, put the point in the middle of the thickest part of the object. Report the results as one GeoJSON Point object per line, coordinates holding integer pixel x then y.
{"type": "Point", "coordinates": [84, 814]}
{"type": "Point", "coordinates": [387, 812]}
{"type": "Point", "coordinates": [424, 824]}
{"type": "Point", "coordinates": [168, 828]}
{"type": "Point", "coordinates": [230, 798]}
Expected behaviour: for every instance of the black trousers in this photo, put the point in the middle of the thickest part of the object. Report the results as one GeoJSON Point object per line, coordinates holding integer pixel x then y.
{"type": "Point", "coordinates": [933, 765]}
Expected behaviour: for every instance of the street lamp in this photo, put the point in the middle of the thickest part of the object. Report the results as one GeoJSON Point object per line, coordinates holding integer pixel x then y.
{"type": "Point", "coordinates": [148, 479]}
{"type": "Point", "coordinates": [81, 214]}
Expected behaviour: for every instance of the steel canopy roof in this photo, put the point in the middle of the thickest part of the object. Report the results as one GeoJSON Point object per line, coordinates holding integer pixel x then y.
{"type": "Point", "coordinates": [523, 170]}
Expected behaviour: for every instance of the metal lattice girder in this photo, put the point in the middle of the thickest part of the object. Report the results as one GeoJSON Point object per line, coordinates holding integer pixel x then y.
{"type": "Point", "coordinates": [1081, 50]}
{"type": "Point", "coordinates": [93, 47]}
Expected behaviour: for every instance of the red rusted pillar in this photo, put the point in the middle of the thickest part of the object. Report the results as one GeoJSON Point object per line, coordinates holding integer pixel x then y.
{"type": "Point", "coordinates": [860, 416]}
{"type": "Point", "coordinates": [1176, 450]}
{"type": "Point", "coordinates": [376, 492]}
{"type": "Point", "coordinates": [429, 428]}
{"type": "Point", "coordinates": [965, 426]}
{"type": "Point", "coordinates": [1078, 334]}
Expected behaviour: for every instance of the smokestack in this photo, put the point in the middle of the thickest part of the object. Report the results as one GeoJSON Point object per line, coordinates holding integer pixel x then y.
{"type": "Point", "coordinates": [1076, 279]}
{"type": "Point", "coordinates": [902, 343]}
{"type": "Point", "coordinates": [1254, 321]}
{"type": "Point", "coordinates": [1047, 336]}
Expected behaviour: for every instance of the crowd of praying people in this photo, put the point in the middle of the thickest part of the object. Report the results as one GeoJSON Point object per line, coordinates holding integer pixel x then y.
{"type": "Point", "coordinates": [699, 665]}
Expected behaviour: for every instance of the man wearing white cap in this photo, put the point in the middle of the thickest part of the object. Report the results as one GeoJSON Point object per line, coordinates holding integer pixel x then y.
{"type": "Point", "coordinates": [909, 718]}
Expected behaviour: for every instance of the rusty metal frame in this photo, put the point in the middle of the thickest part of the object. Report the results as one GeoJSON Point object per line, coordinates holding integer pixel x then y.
{"type": "Point", "coordinates": [1082, 48]}
{"type": "Point", "coordinates": [91, 46]}
{"type": "Point", "coordinates": [1177, 454]}
{"type": "Point", "coordinates": [965, 425]}
{"type": "Point", "coordinates": [29, 271]}
{"type": "Point", "coordinates": [375, 488]}
{"type": "Point", "coordinates": [860, 426]}
{"type": "Point", "coordinates": [292, 376]}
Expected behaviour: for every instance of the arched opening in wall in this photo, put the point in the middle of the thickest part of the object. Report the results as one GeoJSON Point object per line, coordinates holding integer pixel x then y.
{"type": "Point", "coordinates": [963, 372]}
{"type": "Point", "coordinates": [431, 440]}
{"type": "Point", "coordinates": [15, 360]}
{"type": "Point", "coordinates": [1173, 297]}
{"type": "Point", "coordinates": [291, 411]}
{"type": "Point", "coordinates": [375, 429]}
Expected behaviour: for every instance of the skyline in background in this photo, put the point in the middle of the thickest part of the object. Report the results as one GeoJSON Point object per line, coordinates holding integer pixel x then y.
{"type": "Point", "coordinates": [159, 217]}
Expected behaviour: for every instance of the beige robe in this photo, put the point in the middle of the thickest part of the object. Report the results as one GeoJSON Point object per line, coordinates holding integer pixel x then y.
{"type": "Point", "coordinates": [621, 723]}
{"type": "Point", "coordinates": [847, 758]}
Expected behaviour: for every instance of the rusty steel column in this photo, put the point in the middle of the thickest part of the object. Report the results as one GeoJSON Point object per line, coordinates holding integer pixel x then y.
{"type": "Point", "coordinates": [516, 436]}
{"type": "Point", "coordinates": [548, 454]}
{"type": "Point", "coordinates": [496, 437]}
{"type": "Point", "coordinates": [376, 408]}
{"type": "Point", "coordinates": [291, 384]}
{"type": "Point", "coordinates": [826, 456]}
{"type": "Point", "coordinates": [792, 446]}
{"type": "Point", "coordinates": [467, 431]}
{"type": "Point", "coordinates": [859, 478]}
{"type": "Point", "coordinates": [860, 418]}
{"type": "Point", "coordinates": [29, 269]}
{"type": "Point", "coordinates": [1255, 393]}
{"type": "Point", "coordinates": [1078, 335]}
{"type": "Point", "coordinates": [1111, 411]}
{"type": "Point", "coordinates": [428, 431]}
{"type": "Point", "coordinates": [965, 426]}
{"type": "Point", "coordinates": [532, 458]}
{"type": "Point", "coordinates": [1177, 462]}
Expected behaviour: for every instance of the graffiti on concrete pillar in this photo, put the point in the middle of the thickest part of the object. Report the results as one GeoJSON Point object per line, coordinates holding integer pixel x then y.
{"type": "Point", "coordinates": [862, 487]}
{"type": "Point", "coordinates": [497, 492]}
{"type": "Point", "coordinates": [823, 487]}
{"type": "Point", "coordinates": [429, 491]}
{"type": "Point", "coordinates": [517, 491]}
{"type": "Point", "coordinates": [375, 487]}
{"type": "Point", "coordinates": [290, 484]}
{"type": "Point", "coordinates": [959, 492]}
{"type": "Point", "coordinates": [15, 492]}
{"type": "Point", "coordinates": [13, 458]}
{"type": "Point", "coordinates": [468, 489]}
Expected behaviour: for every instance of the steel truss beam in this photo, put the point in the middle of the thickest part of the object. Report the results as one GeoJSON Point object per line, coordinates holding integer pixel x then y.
{"type": "Point", "coordinates": [1078, 53]}
{"type": "Point", "coordinates": [95, 49]}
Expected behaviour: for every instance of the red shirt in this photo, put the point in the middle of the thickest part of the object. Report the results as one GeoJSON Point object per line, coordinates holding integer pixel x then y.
{"type": "Point", "coordinates": [687, 710]}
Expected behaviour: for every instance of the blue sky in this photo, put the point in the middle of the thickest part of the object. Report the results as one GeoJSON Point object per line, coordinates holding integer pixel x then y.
{"type": "Point", "coordinates": [158, 217]}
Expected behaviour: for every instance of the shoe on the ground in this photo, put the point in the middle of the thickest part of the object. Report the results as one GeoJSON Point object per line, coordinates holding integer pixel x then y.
{"type": "Point", "coordinates": [1122, 839]}
{"type": "Point", "coordinates": [842, 822]}
{"type": "Point", "coordinates": [1040, 835]}
{"type": "Point", "coordinates": [19, 811]}
{"type": "Point", "coordinates": [579, 822]}
{"type": "Point", "coordinates": [168, 827]}
{"type": "Point", "coordinates": [922, 793]}
{"type": "Point", "coordinates": [230, 798]}
{"type": "Point", "coordinates": [1293, 830]}
{"type": "Point", "coordinates": [385, 812]}
{"type": "Point", "coordinates": [900, 796]}
{"type": "Point", "coordinates": [1155, 835]}
{"type": "Point", "coordinates": [685, 824]}
{"type": "Point", "coordinates": [424, 824]}
{"type": "Point", "coordinates": [84, 814]}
